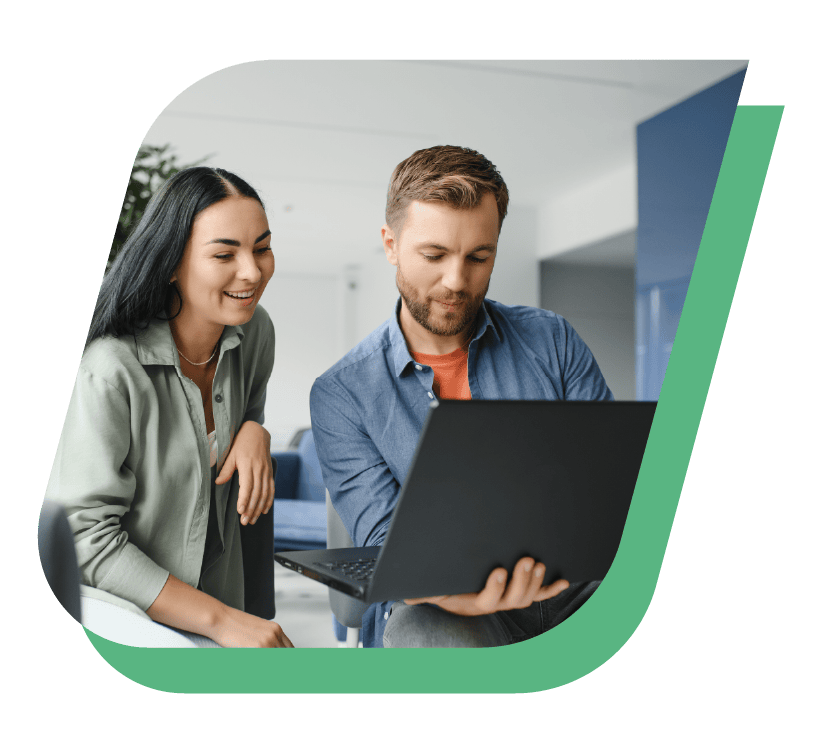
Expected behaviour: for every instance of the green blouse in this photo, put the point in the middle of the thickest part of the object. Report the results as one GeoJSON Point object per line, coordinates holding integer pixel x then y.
{"type": "Point", "coordinates": [132, 466]}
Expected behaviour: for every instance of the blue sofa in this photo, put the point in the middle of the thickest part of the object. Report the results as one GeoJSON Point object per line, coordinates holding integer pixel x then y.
{"type": "Point", "coordinates": [300, 498]}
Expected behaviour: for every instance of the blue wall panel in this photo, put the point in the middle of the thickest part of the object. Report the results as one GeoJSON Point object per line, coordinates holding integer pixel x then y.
{"type": "Point", "coordinates": [679, 153]}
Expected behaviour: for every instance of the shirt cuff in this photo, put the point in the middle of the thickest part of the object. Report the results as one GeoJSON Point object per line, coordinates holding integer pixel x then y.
{"type": "Point", "coordinates": [135, 577]}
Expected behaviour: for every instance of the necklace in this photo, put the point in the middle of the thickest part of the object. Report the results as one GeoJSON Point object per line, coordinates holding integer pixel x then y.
{"type": "Point", "coordinates": [199, 364]}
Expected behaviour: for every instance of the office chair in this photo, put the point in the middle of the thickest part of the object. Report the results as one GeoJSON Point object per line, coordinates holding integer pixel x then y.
{"type": "Point", "coordinates": [58, 557]}
{"type": "Point", "coordinates": [346, 610]}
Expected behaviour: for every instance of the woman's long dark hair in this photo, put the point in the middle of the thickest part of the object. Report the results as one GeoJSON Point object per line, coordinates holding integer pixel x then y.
{"type": "Point", "coordinates": [136, 289]}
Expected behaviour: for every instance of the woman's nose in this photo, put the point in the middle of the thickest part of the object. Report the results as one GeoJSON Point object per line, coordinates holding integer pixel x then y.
{"type": "Point", "coordinates": [249, 268]}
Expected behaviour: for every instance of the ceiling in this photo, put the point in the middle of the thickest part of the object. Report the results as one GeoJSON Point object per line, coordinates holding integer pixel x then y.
{"type": "Point", "coordinates": [319, 139]}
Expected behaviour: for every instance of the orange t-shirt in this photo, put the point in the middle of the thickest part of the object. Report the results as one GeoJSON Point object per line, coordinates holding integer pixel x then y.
{"type": "Point", "coordinates": [451, 373]}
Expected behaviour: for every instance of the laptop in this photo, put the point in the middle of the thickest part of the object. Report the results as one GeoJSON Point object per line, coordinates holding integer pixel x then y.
{"type": "Point", "coordinates": [491, 482]}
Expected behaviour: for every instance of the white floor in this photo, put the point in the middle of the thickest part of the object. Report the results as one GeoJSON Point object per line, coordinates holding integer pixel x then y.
{"type": "Point", "coordinates": [302, 609]}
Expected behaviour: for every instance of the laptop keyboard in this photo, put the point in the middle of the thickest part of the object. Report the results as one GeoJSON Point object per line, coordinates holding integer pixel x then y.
{"type": "Point", "coordinates": [359, 570]}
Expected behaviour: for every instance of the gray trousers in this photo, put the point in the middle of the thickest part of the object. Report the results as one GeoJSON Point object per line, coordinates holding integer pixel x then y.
{"type": "Point", "coordinates": [431, 626]}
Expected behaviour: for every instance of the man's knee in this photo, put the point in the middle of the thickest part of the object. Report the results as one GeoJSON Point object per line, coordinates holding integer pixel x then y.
{"type": "Point", "coordinates": [429, 626]}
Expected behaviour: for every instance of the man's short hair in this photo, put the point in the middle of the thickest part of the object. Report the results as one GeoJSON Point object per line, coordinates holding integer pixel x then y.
{"type": "Point", "coordinates": [456, 176]}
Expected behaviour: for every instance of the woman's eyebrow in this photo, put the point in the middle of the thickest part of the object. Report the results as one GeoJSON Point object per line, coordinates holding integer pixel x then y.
{"type": "Point", "coordinates": [232, 242]}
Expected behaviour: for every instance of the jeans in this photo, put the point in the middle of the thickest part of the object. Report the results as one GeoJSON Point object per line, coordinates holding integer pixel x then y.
{"type": "Point", "coordinates": [430, 626]}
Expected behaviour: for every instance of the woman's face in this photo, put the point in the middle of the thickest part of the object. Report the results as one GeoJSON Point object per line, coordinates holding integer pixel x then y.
{"type": "Point", "coordinates": [226, 264]}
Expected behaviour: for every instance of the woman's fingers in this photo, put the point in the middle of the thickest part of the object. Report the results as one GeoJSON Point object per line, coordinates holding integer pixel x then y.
{"type": "Point", "coordinates": [264, 491]}
{"type": "Point", "coordinates": [250, 484]}
{"type": "Point", "coordinates": [228, 469]}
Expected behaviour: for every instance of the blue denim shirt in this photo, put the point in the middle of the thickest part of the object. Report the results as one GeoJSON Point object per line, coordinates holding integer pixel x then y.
{"type": "Point", "coordinates": [368, 410]}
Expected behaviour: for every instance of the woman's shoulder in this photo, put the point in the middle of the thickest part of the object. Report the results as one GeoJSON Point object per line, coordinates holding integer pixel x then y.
{"type": "Point", "coordinates": [112, 359]}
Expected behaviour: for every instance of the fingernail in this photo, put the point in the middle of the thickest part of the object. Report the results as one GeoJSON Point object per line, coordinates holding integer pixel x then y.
{"type": "Point", "coordinates": [500, 578]}
{"type": "Point", "coordinates": [254, 520]}
{"type": "Point", "coordinates": [244, 520]}
{"type": "Point", "coordinates": [528, 567]}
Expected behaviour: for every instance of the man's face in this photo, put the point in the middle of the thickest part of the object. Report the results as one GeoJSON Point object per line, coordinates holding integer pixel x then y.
{"type": "Point", "coordinates": [444, 258]}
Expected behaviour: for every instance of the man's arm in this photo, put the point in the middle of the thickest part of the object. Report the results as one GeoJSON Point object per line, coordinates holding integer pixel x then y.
{"type": "Point", "coordinates": [363, 489]}
{"type": "Point", "coordinates": [582, 378]}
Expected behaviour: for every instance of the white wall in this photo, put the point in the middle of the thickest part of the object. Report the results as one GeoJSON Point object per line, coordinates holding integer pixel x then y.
{"type": "Point", "coordinates": [600, 209]}
{"type": "Point", "coordinates": [599, 303]}
{"type": "Point", "coordinates": [516, 276]}
{"type": "Point", "coordinates": [309, 339]}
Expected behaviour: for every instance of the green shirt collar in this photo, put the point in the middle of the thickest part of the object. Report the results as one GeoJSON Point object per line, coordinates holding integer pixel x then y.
{"type": "Point", "coordinates": [155, 344]}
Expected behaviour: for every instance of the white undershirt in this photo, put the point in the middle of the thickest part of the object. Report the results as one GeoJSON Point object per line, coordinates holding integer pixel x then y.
{"type": "Point", "coordinates": [212, 438]}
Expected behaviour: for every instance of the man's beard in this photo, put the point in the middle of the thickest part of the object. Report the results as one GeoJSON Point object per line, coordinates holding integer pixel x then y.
{"type": "Point", "coordinates": [452, 323]}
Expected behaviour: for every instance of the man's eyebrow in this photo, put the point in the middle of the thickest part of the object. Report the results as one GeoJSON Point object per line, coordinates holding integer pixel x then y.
{"type": "Point", "coordinates": [483, 247]}
{"type": "Point", "coordinates": [232, 242]}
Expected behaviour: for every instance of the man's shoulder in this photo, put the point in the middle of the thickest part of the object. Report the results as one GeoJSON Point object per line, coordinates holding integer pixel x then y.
{"type": "Point", "coordinates": [527, 317]}
{"type": "Point", "coordinates": [369, 354]}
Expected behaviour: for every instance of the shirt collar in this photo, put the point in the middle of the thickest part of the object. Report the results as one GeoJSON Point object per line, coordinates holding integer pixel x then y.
{"type": "Point", "coordinates": [400, 350]}
{"type": "Point", "coordinates": [155, 345]}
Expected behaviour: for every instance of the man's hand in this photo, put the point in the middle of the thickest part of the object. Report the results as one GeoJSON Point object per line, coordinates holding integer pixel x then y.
{"type": "Point", "coordinates": [250, 456]}
{"type": "Point", "coordinates": [523, 589]}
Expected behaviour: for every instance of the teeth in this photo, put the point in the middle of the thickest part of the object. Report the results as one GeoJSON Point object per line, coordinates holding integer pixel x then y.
{"type": "Point", "coordinates": [240, 295]}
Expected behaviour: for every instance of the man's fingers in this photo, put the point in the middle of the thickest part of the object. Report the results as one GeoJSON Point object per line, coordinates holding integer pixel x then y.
{"type": "Point", "coordinates": [488, 600]}
{"type": "Point", "coordinates": [538, 572]}
{"type": "Point", "coordinates": [519, 584]}
{"type": "Point", "coordinates": [551, 590]}
{"type": "Point", "coordinates": [422, 600]}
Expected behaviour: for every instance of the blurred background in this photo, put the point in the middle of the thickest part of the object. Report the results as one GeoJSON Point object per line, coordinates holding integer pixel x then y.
{"type": "Point", "coordinates": [610, 167]}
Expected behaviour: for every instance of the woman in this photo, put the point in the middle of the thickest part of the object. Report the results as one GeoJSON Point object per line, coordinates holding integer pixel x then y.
{"type": "Point", "coordinates": [168, 404]}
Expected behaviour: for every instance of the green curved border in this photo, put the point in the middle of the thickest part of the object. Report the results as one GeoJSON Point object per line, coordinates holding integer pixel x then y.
{"type": "Point", "coordinates": [605, 623]}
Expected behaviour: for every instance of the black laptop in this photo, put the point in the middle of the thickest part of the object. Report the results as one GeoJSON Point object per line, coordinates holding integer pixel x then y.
{"type": "Point", "coordinates": [494, 481]}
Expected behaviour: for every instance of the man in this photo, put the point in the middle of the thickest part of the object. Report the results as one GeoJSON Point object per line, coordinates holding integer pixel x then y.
{"type": "Point", "coordinates": [444, 211]}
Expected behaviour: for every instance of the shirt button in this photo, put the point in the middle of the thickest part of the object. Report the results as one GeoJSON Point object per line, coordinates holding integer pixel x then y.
{"type": "Point", "coordinates": [418, 367]}
{"type": "Point", "coordinates": [385, 616]}
{"type": "Point", "coordinates": [218, 398]}
{"type": "Point", "coordinates": [430, 395]}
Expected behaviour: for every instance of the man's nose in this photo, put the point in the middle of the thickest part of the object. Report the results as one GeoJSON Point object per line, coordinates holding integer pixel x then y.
{"type": "Point", "coordinates": [455, 276]}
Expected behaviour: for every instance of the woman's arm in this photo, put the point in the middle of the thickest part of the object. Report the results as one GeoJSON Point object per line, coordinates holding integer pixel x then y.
{"type": "Point", "coordinates": [182, 606]}
{"type": "Point", "coordinates": [91, 479]}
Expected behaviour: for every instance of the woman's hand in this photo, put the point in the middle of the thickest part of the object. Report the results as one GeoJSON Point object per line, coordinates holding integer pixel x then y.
{"type": "Point", "coordinates": [238, 629]}
{"type": "Point", "coordinates": [180, 605]}
{"type": "Point", "coordinates": [250, 456]}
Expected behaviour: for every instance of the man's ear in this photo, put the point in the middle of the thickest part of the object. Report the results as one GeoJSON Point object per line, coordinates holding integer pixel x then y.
{"type": "Point", "coordinates": [389, 244]}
